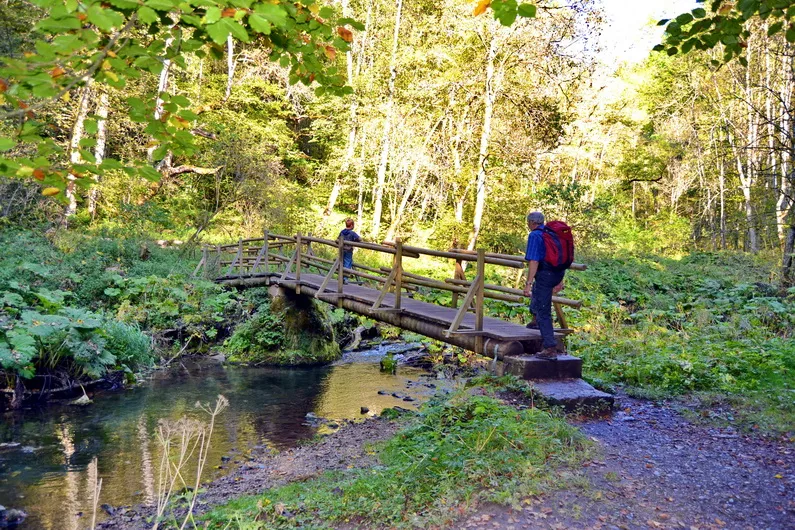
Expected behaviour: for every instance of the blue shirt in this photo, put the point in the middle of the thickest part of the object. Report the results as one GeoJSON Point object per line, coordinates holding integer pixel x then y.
{"type": "Point", "coordinates": [535, 246]}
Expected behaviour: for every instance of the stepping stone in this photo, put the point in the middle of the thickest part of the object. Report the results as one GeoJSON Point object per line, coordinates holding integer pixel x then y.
{"type": "Point", "coordinates": [575, 395]}
{"type": "Point", "coordinates": [533, 367]}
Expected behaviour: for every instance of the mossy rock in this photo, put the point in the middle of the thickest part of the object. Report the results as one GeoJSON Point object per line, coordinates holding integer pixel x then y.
{"type": "Point", "coordinates": [290, 330]}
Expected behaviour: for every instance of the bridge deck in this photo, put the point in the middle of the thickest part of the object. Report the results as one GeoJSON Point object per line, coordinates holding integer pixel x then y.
{"type": "Point", "coordinates": [443, 316]}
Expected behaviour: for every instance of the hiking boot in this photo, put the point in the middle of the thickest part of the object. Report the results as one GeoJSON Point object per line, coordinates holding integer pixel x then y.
{"type": "Point", "coordinates": [532, 325]}
{"type": "Point", "coordinates": [548, 353]}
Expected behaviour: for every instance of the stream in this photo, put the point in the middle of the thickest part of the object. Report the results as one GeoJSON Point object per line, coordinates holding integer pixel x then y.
{"type": "Point", "coordinates": [46, 453]}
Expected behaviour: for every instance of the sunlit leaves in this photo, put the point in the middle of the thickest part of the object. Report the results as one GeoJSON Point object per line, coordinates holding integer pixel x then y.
{"type": "Point", "coordinates": [505, 11]}
{"type": "Point", "coordinates": [726, 23]}
{"type": "Point", "coordinates": [111, 42]}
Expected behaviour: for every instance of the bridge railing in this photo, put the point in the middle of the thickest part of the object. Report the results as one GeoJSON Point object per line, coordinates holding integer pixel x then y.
{"type": "Point", "coordinates": [287, 256]}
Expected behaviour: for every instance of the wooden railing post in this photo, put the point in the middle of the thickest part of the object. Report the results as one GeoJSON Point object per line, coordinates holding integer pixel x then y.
{"type": "Point", "coordinates": [479, 300]}
{"type": "Point", "coordinates": [265, 251]}
{"type": "Point", "coordinates": [397, 263]}
{"type": "Point", "coordinates": [202, 266]}
{"type": "Point", "coordinates": [341, 260]}
{"type": "Point", "coordinates": [218, 261]}
{"type": "Point", "coordinates": [458, 274]}
{"type": "Point", "coordinates": [298, 263]}
{"type": "Point", "coordinates": [241, 263]}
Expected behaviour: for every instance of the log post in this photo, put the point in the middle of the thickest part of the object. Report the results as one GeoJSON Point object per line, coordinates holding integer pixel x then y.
{"type": "Point", "coordinates": [341, 269]}
{"type": "Point", "coordinates": [266, 256]}
{"type": "Point", "coordinates": [479, 300]}
{"type": "Point", "coordinates": [398, 264]}
{"type": "Point", "coordinates": [241, 266]}
{"type": "Point", "coordinates": [298, 263]}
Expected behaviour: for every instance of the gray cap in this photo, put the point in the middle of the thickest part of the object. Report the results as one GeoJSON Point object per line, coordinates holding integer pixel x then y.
{"type": "Point", "coordinates": [535, 217]}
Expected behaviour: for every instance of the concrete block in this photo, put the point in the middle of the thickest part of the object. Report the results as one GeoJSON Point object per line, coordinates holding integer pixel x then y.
{"type": "Point", "coordinates": [533, 367]}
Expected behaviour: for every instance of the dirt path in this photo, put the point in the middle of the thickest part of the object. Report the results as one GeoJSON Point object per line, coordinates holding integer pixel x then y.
{"type": "Point", "coordinates": [657, 470]}
{"type": "Point", "coordinates": [660, 471]}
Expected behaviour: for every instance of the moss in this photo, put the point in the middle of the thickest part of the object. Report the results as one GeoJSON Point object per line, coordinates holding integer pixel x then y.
{"type": "Point", "coordinates": [288, 330]}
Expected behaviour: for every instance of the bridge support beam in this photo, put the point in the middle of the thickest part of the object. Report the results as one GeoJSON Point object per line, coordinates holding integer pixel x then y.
{"type": "Point", "coordinates": [491, 347]}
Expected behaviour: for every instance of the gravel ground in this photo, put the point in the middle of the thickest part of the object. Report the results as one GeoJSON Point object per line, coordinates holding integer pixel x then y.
{"type": "Point", "coordinates": [659, 470]}
{"type": "Point", "coordinates": [656, 470]}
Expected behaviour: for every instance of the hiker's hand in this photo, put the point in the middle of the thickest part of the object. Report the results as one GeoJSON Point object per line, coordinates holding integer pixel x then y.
{"type": "Point", "coordinates": [527, 288]}
{"type": "Point", "coordinates": [558, 288]}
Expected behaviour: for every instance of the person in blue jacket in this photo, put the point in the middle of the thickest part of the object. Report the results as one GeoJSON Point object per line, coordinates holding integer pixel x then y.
{"type": "Point", "coordinates": [347, 234]}
{"type": "Point", "coordinates": [544, 282]}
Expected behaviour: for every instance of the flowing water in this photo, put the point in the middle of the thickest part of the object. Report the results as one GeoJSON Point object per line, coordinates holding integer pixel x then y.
{"type": "Point", "coordinates": [46, 454]}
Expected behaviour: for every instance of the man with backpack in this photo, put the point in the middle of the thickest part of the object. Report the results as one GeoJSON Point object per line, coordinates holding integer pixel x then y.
{"type": "Point", "coordinates": [550, 251]}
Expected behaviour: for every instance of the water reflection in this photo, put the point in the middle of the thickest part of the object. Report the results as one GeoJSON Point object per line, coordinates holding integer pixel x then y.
{"type": "Point", "coordinates": [47, 472]}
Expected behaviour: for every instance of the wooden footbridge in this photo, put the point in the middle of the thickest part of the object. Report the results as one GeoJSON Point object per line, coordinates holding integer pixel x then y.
{"type": "Point", "coordinates": [314, 266]}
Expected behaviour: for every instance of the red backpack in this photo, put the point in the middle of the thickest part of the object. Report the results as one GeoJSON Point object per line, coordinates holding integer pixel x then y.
{"type": "Point", "coordinates": [558, 245]}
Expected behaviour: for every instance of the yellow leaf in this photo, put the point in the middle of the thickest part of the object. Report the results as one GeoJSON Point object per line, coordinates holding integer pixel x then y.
{"type": "Point", "coordinates": [112, 76]}
{"type": "Point", "coordinates": [49, 192]}
{"type": "Point", "coordinates": [481, 7]}
{"type": "Point", "coordinates": [314, 9]}
{"type": "Point", "coordinates": [66, 97]}
{"type": "Point", "coordinates": [106, 65]}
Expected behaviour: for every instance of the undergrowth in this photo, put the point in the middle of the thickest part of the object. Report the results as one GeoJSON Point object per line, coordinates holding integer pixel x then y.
{"type": "Point", "coordinates": [459, 451]}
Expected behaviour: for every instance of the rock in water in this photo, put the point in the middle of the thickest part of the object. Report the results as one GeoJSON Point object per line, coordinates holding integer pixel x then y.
{"type": "Point", "coordinates": [365, 410]}
{"type": "Point", "coordinates": [110, 510]}
{"type": "Point", "coordinates": [11, 518]}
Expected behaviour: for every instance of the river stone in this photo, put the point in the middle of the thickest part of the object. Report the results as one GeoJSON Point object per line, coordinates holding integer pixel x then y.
{"type": "Point", "coordinates": [364, 410]}
{"type": "Point", "coordinates": [11, 518]}
{"type": "Point", "coordinates": [110, 510]}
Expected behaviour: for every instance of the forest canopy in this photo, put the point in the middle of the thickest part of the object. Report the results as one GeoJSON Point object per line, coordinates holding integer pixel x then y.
{"type": "Point", "coordinates": [437, 121]}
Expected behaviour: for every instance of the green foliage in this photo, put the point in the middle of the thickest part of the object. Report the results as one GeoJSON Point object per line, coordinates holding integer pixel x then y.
{"type": "Point", "coordinates": [41, 334]}
{"type": "Point", "coordinates": [111, 44]}
{"type": "Point", "coordinates": [459, 451]}
{"type": "Point", "coordinates": [708, 322]}
{"type": "Point", "coordinates": [728, 24]}
{"type": "Point", "coordinates": [285, 335]}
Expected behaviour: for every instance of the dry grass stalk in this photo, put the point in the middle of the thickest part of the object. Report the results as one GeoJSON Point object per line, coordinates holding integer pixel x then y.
{"type": "Point", "coordinates": [180, 440]}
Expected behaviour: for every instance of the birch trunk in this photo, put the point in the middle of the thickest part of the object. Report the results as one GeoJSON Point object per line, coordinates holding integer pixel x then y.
{"type": "Point", "coordinates": [386, 138]}
{"type": "Point", "coordinates": [350, 147]}
{"type": "Point", "coordinates": [489, 95]}
{"type": "Point", "coordinates": [74, 149]}
{"type": "Point", "coordinates": [747, 177]}
{"type": "Point", "coordinates": [99, 149]}
{"type": "Point", "coordinates": [785, 189]}
{"type": "Point", "coordinates": [162, 86]}
{"type": "Point", "coordinates": [230, 67]}
{"type": "Point", "coordinates": [409, 191]}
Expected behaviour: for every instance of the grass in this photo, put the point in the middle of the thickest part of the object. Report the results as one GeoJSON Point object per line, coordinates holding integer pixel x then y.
{"type": "Point", "coordinates": [459, 451]}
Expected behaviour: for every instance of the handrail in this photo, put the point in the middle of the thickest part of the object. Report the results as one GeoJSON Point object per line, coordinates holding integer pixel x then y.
{"type": "Point", "coordinates": [512, 257]}
{"type": "Point", "coordinates": [247, 257]}
{"type": "Point", "coordinates": [518, 292]}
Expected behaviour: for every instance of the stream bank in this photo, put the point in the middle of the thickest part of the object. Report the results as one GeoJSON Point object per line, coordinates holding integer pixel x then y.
{"type": "Point", "coordinates": [46, 454]}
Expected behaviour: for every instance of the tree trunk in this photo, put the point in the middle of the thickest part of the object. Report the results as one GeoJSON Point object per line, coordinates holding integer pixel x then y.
{"type": "Point", "coordinates": [74, 149]}
{"type": "Point", "coordinates": [162, 86]}
{"type": "Point", "coordinates": [386, 138]}
{"type": "Point", "coordinates": [99, 150]}
{"type": "Point", "coordinates": [784, 201]}
{"type": "Point", "coordinates": [415, 171]}
{"type": "Point", "coordinates": [489, 95]}
{"type": "Point", "coordinates": [747, 177]}
{"type": "Point", "coordinates": [788, 261]}
{"type": "Point", "coordinates": [230, 67]}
